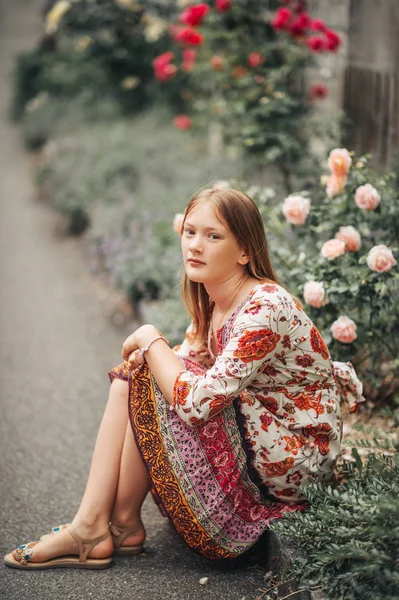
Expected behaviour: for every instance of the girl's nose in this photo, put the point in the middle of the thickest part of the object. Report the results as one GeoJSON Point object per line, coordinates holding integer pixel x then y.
{"type": "Point", "coordinates": [195, 244]}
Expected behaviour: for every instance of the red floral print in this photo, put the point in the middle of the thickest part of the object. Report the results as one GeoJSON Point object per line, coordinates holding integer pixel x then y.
{"type": "Point", "coordinates": [293, 443]}
{"type": "Point", "coordinates": [278, 469]}
{"type": "Point", "coordinates": [318, 344]}
{"type": "Point", "coordinates": [254, 345]}
{"type": "Point", "coordinates": [304, 361]}
{"type": "Point", "coordinates": [266, 419]}
{"type": "Point", "coordinates": [182, 389]}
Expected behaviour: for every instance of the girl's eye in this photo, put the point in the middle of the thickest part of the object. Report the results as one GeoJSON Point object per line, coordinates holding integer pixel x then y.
{"type": "Point", "coordinates": [188, 231]}
{"type": "Point", "coordinates": [214, 236]}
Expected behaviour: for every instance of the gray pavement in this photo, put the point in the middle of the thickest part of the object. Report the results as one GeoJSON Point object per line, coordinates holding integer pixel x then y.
{"type": "Point", "coordinates": [56, 346]}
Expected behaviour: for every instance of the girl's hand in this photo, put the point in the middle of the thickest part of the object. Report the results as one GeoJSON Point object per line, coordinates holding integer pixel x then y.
{"type": "Point", "coordinates": [135, 359]}
{"type": "Point", "coordinates": [140, 338]}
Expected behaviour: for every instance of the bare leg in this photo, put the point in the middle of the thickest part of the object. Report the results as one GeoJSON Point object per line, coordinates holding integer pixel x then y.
{"type": "Point", "coordinates": [94, 513]}
{"type": "Point", "coordinates": [133, 487]}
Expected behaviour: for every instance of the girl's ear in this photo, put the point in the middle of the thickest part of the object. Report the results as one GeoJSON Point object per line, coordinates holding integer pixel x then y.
{"type": "Point", "coordinates": [244, 258]}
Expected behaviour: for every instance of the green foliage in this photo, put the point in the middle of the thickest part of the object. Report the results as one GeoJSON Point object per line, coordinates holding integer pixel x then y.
{"type": "Point", "coordinates": [348, 537]}
{"type": "Point", "coordinates": [130, 182]}
{"type": "Point", "coordinates": [99, 49]}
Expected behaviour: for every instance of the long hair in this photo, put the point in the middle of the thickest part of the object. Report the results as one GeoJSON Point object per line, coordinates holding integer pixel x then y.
{"type": "Point", "coordinates": [243, 218]}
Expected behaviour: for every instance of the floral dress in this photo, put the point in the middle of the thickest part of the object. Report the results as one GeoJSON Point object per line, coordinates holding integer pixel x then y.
{"type": "Point", "coordinates": [246, 428]}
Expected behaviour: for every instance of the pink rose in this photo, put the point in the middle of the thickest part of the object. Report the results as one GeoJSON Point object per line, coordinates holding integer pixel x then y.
{"type": "Point", "coordinates": [332, 249]}
{"type": "Point", "coordinates": [296, 209]}
{"type": "Point", "coordinates": [335, 185]}
{"type": "Point", "coordinates": [344, 330]}
{"type": "Point", "coordinates": [339, 162]}
{"type": "Point", "coordinates": [314, 293]}
{"type": "Point", "coordinates": [367, 197]}
{"type": "Point", "coordinates": [178, 222]}
{"type": "Point", "coordinates": [351, 237]}
{"type": "Point", "coordinates": [380, 259]}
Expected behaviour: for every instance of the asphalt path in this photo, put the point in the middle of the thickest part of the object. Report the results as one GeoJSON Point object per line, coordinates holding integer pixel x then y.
{"type": "Point", "coordinates": [56, 346]}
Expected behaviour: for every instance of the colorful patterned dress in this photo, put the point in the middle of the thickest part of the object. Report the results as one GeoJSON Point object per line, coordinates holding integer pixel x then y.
{"type": "Point", "coordinates": [246, 428]}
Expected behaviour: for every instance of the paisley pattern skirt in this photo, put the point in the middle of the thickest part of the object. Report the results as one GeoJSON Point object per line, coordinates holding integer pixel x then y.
{"type": "Point", "coordinates": [200, 477]}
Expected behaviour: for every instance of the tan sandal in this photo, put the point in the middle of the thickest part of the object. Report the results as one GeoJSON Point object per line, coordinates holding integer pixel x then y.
{"type": "Point", "coordinates": [119, 533]}
{"type": "Point", "coordinates": [19, 558]}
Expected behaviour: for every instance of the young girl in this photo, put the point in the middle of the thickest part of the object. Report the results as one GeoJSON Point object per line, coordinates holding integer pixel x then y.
{"type": "Point", "coordinates": [222, 430]}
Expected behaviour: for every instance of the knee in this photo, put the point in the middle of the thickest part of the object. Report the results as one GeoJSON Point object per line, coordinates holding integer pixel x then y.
{"type": "Point", "coordinates": [119, 386]}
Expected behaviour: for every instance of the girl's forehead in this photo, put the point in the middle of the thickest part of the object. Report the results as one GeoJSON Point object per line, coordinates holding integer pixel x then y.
{"type": "Point", "coordinates": [205, 212]}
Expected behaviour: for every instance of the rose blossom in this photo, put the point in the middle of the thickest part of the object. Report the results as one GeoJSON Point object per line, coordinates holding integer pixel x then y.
{"type": "Point", "coordinates": [332, 249]}
{"type": "Point", "coordinates": [182, 122]}
{"type": "Point", "coordinates": [339, 162]}
{"type": "Point", "coordinates": [296, 209]}
{"type": "Point", "coordinates": [178, 222]}
{"type": "Point", "coordinates": [335, 185]}
{"type": "Point", "coordinates": [193, 15]}
{"type": "Point", "coordinates": [222, 5]}
{"type": "Point", "coordinates": [351, 237]}
{"type": "Point", "coordinates": [314, 293]}
{"type": "Point", "coordinates": [255, 59]}
{"type": "Point", "coordinates": [367, 197]}
{"type": "Point", "coordinates": [380, 259]}
{"type": "Point", "coordinates": [344, 330]}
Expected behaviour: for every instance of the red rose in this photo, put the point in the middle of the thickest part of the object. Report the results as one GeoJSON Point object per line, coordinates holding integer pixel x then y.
{"type": "Point", "coordinates": [255, 59]}
{"type": "Point", "coordinates": [182, 122]}
{"type": "Point", "coordinates": [216, 62]}
{"type": "Point", "coordinates": [223, 5]}
{"type": "Point", "coordinates": [318, 91]}
{"type": "Point", "coordinates": [189, 57]}
{"type": "Point", "coordinates": [193, 15]}
{"type": "Point", "coordinates": [315, 44]}
{"type": "Point", "coordinates": [317, 25]}
{"type": "Point", "coordinates": [163, 70]}
{"type": "Point", "coordinates": [333, 40]}
{"type": "Point", "coordinates": [281, 18]}
{"type": "Point", "coordinates": [300, 24]}
{"type": "Point", "coordinates": [189, 36]}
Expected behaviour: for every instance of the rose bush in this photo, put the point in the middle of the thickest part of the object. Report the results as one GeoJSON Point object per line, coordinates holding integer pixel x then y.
{"type": "Point", "coordinates": [248, 74]}
{"type": "Point", "coordinates": [342, 259]}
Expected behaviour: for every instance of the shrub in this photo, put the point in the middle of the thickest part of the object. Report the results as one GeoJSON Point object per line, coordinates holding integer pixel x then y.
{"type": "Point", "coordinates": [348, 538]}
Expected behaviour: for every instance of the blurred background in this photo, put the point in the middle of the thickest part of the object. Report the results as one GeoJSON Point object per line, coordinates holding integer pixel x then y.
{"type": "Point", "coordinates": [145, 103]}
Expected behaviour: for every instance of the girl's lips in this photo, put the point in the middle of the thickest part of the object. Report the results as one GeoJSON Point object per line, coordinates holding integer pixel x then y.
{"type": "Point", "coordinates": [193, 261]}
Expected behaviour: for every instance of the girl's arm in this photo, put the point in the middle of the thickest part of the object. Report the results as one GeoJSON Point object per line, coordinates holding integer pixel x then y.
{"type": "Point", "coordinates": [162, 360]}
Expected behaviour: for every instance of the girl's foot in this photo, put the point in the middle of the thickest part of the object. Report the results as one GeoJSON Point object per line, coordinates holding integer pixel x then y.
{"type": "Point", "coordinates": [128, 535]}
{"type": "Point", "coordinates": [63, 544]}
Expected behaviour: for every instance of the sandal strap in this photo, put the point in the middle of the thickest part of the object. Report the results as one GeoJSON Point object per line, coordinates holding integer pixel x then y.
{"type": "Point", "coordinates": [24, 552]}
{"type": "Point", "coordinates": [59, 528]}
{"type": "Point", "coordinates": [85, 546]}
{"type": "Point", "coordinates": [120, 533]}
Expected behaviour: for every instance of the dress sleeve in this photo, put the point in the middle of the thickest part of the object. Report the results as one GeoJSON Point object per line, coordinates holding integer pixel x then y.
{"type": "Point", "coordinates": [256, 337]}
{"type": "Point", "coordinates": [189, 349]}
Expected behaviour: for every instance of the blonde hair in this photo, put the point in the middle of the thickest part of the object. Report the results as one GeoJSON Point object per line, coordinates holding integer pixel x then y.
{"type": "Point", "coordinates": [243, 218]}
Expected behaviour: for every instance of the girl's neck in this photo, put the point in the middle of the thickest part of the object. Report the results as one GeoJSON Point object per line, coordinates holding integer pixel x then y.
{"type": "Point", "coordinates": [230, 292]}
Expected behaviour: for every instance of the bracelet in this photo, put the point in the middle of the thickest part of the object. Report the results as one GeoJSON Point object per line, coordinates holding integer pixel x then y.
{"type": "Point", "coordinates": [147, 347]}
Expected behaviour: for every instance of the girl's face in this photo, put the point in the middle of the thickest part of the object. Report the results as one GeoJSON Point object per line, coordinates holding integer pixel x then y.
{"type": "Point", "coordinates": [211, 253]}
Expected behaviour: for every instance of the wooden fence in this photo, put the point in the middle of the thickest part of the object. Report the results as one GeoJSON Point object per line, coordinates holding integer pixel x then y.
{"type": "Point", "coordinates": [371, 101]}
